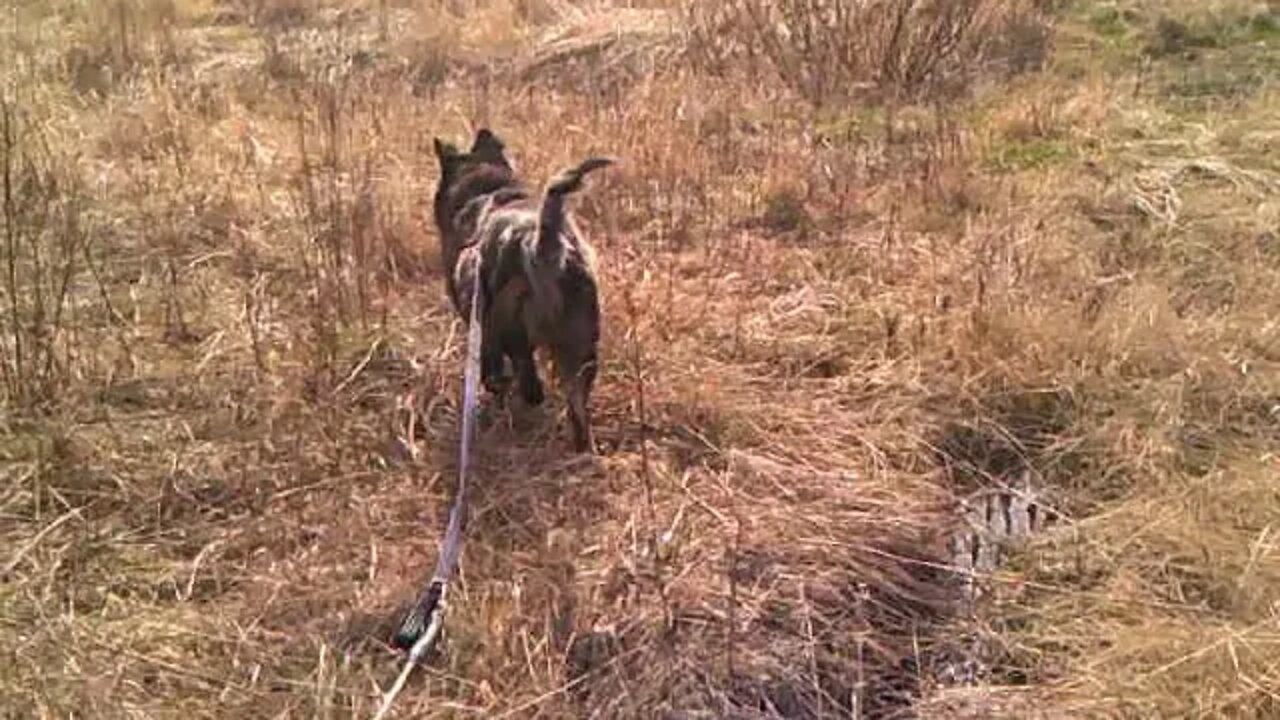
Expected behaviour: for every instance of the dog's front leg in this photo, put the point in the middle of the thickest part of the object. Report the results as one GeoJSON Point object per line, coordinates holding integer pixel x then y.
{"type": "Point", "coordinates": [526, 368]}
{"type": "Point", "coordinates": [493, 371]}
{"type": "Point", "coordinates": [491, 367]}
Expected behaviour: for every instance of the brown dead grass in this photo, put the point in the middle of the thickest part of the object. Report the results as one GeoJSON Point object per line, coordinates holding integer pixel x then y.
{"type": "Point", "coordinates": [824, 323]}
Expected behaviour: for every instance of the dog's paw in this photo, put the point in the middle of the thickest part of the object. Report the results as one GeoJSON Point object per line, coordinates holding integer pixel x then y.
{"type": "Point", "coordinates": [496, 384]}
{"type": "Point", "coordinates": [533, 394]}
{"type": "Point", "coordinates": [489, 412]}
{"type": "Point", "coordinates": [584, 446]}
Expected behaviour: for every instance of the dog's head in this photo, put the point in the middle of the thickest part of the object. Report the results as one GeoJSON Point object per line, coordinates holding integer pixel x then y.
{"type": "Point", "coordinates": [486, 159]}
{"type": "Point", "coordinates": [466, 176]}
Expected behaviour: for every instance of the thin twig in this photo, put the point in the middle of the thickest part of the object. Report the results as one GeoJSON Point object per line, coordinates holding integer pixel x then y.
{"type": "Point", "coordinates": [567, 686]}
{"type": "Point", "coordinates": [31, 544]}
{"type": "Point", "coordinates": [359, 368]}
{"type": "Point", "coordinates": [290, 492]}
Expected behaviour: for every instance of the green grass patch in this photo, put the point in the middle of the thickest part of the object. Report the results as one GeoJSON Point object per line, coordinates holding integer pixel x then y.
{"type": "Point", "coordinates": [1174, 36]}
{"type": "Point", "coordinates": [1112, 22]}
{"type": "Point", "coordinates": [847, 128]}
{"type": "Point", "coordinates": [1021, 155]}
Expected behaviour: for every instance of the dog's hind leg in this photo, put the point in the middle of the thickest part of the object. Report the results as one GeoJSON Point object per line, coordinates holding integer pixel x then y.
{"type": "Point", "coordinates": [520, 351]}
{"type": "Point", "coordinates": [577, 374]}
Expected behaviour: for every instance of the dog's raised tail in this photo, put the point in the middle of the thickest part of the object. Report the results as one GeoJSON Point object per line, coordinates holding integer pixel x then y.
{"type": "Point", "coordinates": [551, 218]}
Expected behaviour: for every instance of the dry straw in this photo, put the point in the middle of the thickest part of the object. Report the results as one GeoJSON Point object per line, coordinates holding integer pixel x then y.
{"type": "Point", "coordinates": [844, 285]}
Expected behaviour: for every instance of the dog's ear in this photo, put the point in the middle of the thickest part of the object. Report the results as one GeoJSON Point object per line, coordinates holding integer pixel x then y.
{"type": "Point", "coordinates": [489, 147]}
{"type": "Point", "coordinates": [444, 151]}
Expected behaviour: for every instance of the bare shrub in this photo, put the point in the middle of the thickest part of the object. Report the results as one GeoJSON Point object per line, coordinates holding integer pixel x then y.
{"type": "Point", "coordinates": [276, 13]}
{"type": "Point", "coordinates": [349, 252]}
{"type": "Point", "coordinates": [41, 243]}
{"type": "Point", "coordinates": [120, 39]}
{"type": "Point", "coordinates": [836, 49]}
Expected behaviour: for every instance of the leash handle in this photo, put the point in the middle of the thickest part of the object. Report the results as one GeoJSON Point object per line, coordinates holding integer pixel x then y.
{"type": "Point", "coordinates": [417, 652]}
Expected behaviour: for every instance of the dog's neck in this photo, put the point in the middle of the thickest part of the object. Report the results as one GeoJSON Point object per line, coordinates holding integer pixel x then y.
{"type": "Point", "coordinates": [479, 184]}
{"type": "Point", "coordinates": [474, 195]}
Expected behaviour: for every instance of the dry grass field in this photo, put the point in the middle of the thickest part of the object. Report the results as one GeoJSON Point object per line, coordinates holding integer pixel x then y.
{"type": "Point", "coordinates": [860, 260]}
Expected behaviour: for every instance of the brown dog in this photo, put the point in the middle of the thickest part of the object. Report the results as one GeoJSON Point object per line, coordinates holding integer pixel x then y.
{"type": "Point", "coordinates": [532, 265]}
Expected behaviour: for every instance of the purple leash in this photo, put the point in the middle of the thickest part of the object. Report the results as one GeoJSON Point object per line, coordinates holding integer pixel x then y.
{"type": "Point", "coordinates": [421, 626]}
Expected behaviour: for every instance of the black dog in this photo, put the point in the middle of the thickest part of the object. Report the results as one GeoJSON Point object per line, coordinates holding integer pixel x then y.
{"type": "Point", "coordinates": [532, 265]}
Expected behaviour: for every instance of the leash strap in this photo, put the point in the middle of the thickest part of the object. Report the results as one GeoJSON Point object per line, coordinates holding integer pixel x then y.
{"type": "Point", "coordinates": [452, 548]}
{"type": "Point", "coordinates": [419, 629]}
